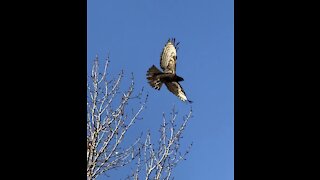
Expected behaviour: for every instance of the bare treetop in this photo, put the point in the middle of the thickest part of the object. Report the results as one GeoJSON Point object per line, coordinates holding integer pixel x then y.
{"type": "Point", "coordinates": [109, 120]}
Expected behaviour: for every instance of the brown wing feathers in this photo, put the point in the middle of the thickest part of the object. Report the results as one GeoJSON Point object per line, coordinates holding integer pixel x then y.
{"type": "Point", "coordinates": [168, 59]}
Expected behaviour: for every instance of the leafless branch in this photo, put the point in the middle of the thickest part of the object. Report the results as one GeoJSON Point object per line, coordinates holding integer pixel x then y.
{"type": "Point", "coordinates": [159, 162]}
{"type": "Point", "coordinates": [108, 122]}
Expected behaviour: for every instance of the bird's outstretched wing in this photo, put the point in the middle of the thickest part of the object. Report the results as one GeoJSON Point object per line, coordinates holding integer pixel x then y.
{"type": "Point", "coordinates": [177, 90]}
{"type": "Point", "coordinates": [168, 57]}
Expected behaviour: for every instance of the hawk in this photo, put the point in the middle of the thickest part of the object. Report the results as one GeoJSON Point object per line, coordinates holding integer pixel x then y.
{"type": "Point", "coordinates": [168, 59]}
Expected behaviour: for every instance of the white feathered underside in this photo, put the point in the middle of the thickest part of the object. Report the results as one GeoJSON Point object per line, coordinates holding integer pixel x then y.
{"type": "Point", "coordinates": [168, 58]}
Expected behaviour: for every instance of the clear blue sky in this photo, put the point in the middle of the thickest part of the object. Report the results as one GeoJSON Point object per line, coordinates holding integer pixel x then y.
{"type": "Point", "coordinates": [134, 32]}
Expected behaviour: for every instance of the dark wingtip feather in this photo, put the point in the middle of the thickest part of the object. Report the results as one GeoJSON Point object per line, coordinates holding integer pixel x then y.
{"type": "Point", "coordinates": [173, 41]}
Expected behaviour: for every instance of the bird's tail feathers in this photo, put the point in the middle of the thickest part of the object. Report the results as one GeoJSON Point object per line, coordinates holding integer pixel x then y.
{"type": "Point", "coordinates": [153, 80]}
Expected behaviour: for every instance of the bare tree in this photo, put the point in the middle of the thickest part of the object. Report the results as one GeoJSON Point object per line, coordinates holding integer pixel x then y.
{"type": "Point", "coordinates": [159, 159]}
{"type": "Point", "coordinates": [108, 122]}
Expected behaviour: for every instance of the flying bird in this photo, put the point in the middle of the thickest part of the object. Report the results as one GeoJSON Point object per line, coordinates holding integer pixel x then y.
{"type": "Point", "coordinates": [168, 60]}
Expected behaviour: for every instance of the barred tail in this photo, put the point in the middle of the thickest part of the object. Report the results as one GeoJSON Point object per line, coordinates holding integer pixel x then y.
{"type": "Point", "coordinates": [152, 77]}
